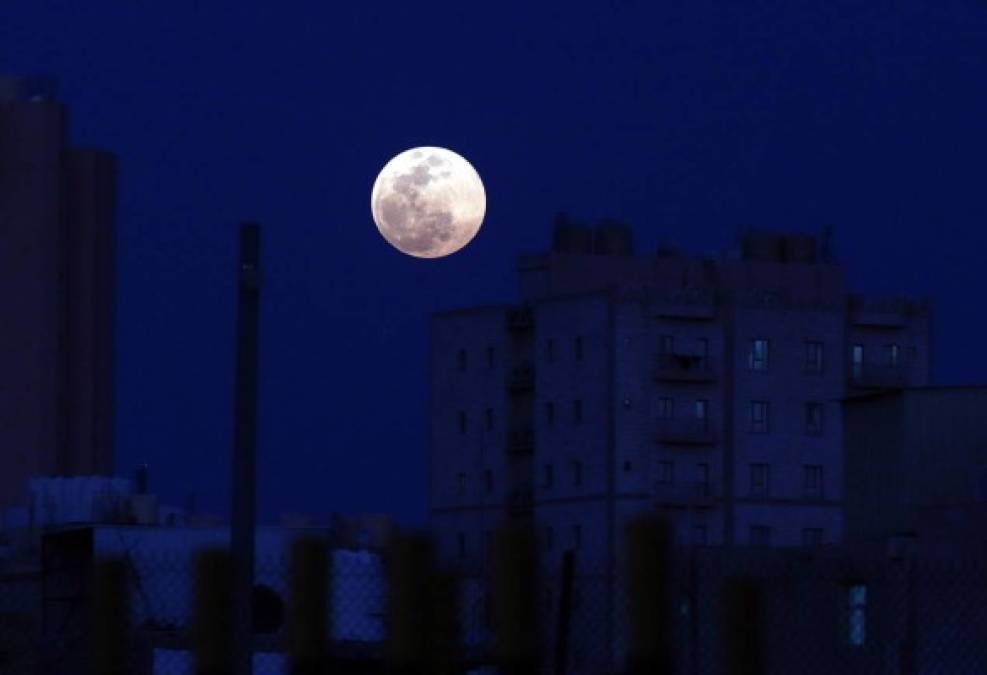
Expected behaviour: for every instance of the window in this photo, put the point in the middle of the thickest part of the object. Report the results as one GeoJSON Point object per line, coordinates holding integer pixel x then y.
{"type": "Point", "coordinates": [857, 361]}
{"type": "Point", "coordinates": [703, 352]}
{"type": "Point", "coordinates": [760, 479]}
{"type": "Point", "coordinates": [666, 345]}
{"type": "Point", "coordinates": [460, 483]}
{"type": "Point", "coordinates": [814, 418]}
{"type": "Point", "coordinates": [627, 465]}
{"type": "Point", "coordinates": [461, 544]}
{"type": "Point", "coordinates": [760, 535]}
{"type": "Point", "coordinates": [666, 473]}
{"type": "Point", "coordinates": [699, 535]}
{"type": "Point", "coordinates": [577, 411]}
{"type": "Point", "coordinates": [702, 410]}
{"type": "Point", "coordinates": [490, 357]}
{"type": "Point", "coordinates": [577, 536]}
{"type": "Point", "coordinates": [488, 480]}
{"type": "Point", "coordinates": [462, 421]}
{"type": "Point", "coordinates": [577, 473]}
{"type": "Point", "coordinates": [813, 357]}
{"type": "Point", "coordinates": [891, 355]}
{"type": "Point", "coordinates": [759, 417]}
{"type": "Point", "coordinates": [577, 347]}
{"type": "Point", "coordinates": [550, 350]}
{"type": "Point", "coordinates": [813, 480]}
{"type": "Point", "coordinates": [857, 617]}
{"type": "Point", "coordinates": [490, 419]}
{"type": "Point", "coordinates": [759, 355]}
{"type": "Point", "coordinates": [549, 414]}
{"type": "Point", "coordinates": [702, 477]}
{"type": "Point", "coordinates": [812, 536]}
{"type": "Point", "coordinates": [549, 476]}
{"type": "Point", "coordinates": [666, 408]}
{"type": "Point", "coordinates": [461, 359]}
{"type": "Point", "coordinates": [487, 543]}
{"type": "Point", "coordinates": [549, 538]}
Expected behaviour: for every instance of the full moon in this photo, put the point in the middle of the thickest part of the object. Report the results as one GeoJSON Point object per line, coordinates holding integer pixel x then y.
{"type": "Point", "coordinates": [428, 202]}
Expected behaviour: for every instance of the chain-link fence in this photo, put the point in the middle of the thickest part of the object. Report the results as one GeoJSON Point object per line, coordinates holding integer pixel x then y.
{"type": "Point", "coordinates": [699, 611]}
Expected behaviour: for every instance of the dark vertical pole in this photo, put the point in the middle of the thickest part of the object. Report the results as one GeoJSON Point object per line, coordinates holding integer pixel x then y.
{"type": "Point", "coordinates": [212, 618]}
{"type": "Point", "coordinates": [742, 628]}
{"type": "Point", "coordinates": [244, 421]}
{"type": "Point", "coordinates": [565, 613]}
{"type": "Point", "coordinates": [110, 619]}
{"type": "Point", "coordinates": [308, 607]}
{"type": "Point", "coordinates": [515, 593]}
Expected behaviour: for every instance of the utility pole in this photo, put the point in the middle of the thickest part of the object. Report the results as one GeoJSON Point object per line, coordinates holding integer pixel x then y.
{"type": "Point", "coordinates": [244, 445]}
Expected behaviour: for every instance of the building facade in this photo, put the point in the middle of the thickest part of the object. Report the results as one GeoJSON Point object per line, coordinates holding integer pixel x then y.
{"type": "Point", "coordinates": [57, 213]}
{"type": "Point", "coordinates": [707, 389]}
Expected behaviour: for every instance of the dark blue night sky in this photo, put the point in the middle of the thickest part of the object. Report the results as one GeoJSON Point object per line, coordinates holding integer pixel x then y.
{"type": "Point", "coordinates": [690, 120]}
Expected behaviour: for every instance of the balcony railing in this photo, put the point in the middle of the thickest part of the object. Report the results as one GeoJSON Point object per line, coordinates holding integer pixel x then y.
{"type": "Point", "coordinates": [689, 431]}
{"type": "Point", "coordinates": [878, 376]}
{"type": "Point", "coordinates": [521, 441]}
{"type": "Point", "coordinates": [684, 368]}
{"type": "Point", "coordinates": [700, 495]}
{"type": "Point", "coordinates": [521, 378]}
{"type": "Point", "coordinates": [520, 319]}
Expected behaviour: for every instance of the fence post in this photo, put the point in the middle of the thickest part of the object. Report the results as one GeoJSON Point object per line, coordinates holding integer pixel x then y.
{"type": "Point", "coordinates": [110, 619]}
{"type": "Point", "coordinates": [515, 594]}
{"type": "Point", "coordinates": [447, 655]}
{"type": "Point", "coordinates": [308, 607]}
{"type": "Point", "coordinates": [212, 621]}
{"type": "Point", "coordinates": [565, 613]}
{"type": "Point", "coordinates": [649, 599]}
{"type": "Point", "coordinates": [742, 627]}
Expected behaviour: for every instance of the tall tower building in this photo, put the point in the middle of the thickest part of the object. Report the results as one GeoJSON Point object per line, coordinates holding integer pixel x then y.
{"type": "Point", "coordinates": [57, 278]}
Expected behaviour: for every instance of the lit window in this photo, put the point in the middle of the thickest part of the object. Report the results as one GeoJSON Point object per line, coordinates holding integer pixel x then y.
{"type": "Point", "coordinates": [759, 355]}
{"type": "Point", "coordinates": [857, 361]}
{"type": "Point", "coordinates": [857, 605]}
{"type": "Point", "coordinates": [759, 417]}
{"type": "Point", "coordinates": [702, 411]}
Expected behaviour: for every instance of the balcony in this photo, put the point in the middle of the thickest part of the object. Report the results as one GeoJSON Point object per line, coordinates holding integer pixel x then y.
{"type": "Point", "coordinates": [697, 495]}
{"type": "Point", "coordinates": [879, 312]}
{"type": "Point", "coordinates": [521, 442]}
{"type": "Point", "coordinates": [520, 319]}
{"type": "Point", "coordinates": [520, 501]}
{"type": "Point", "coordinates": [878, 376]}
{"type": "Point", "coordinates": [684, 368]}
{"type": "Point", "coordinates": [521, 378]}
{"type": "Point", "coordinates": [689, 431]}
{"type": "Point", "coordinates": [690, 304]}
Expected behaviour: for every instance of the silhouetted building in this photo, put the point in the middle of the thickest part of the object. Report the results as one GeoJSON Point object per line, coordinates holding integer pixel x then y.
{"type": "Point", "coordinates": [57, 213]}
{"type": "Point", "coordinates": [707, 389]}
{"type": "Point", "coordinates": [916, 468]}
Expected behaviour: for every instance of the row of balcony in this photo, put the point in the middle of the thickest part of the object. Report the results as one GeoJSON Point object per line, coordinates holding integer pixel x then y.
{"type": "Point", "coordinates": [687, 431]}
{"type": "Point", "coordinates": [521, 499]}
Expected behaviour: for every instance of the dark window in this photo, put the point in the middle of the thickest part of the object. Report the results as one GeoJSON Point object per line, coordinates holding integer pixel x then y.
{"type": "Point", "coordinates": [857, 361]}
{"type": "Point", "coordinates": [857, 618]}
{"type": "Point", "coordinates": [891, 355]}
{"type": "Point", "coordinates": [549, 350]}
{"type": "Point", "coordinates": [759, 417]}
{"type": "Point", "coordinates": [578, 348]}
{"type": "Point", "coordinates": [627, 465]}
{"type": "Point", "coordinates": [549, 414]}
{"type": "Point", "coordinates": [758, 359]}
{"type": "Point", "coordinates": [490, 418]}
{"type": "Point", "coordinates": [813, 480]}
{"type": "Point", "coordinates": [703, 351]}
{"type": "Point", "coordinates": [490, 357]}
{"type": "Point", "coordinates": [814, 418]}
{"type": "Point", "coordinates": [549, 538]}
{"type": "Point", "coordinates": [760, 535]}
{"type": "Point", "coordinates": [577, 411]}
{"type": "Point", "coordinates": [666, 473]}
{"type": "Point", "coordinates": [462, 421]}
{"type": "Point", "coordinates": [666, 345]}
{"type": "Point", "coordinates": [460, 483]}
{"type": "Point", "coordinates": [813, 357]}
{"type": "Point", "coordinates": [812, 536]}
{"type": "Point", "coordinates": [549, 476]}
{"type": "Point", "coordinates": [760, 479]}
{"type": "Point", "coordinates": [577, 536]}
{"type": "Point", "coordinates": [702, 411]}
{"type": "Point", "coordinates": [461, 359]}
{"type": "Point", "coordinates": [666, 408]}
{"type": "Point", "coordinates": [461, 544]}
{"type": "Point", "coordinates": [577, 473]}
{"type": "Point", "coordinates": [699, 535]}
{"type": "Point", "coordinates": [488, 480]}
{"type": "Point", "coordinates": [702, 477]}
